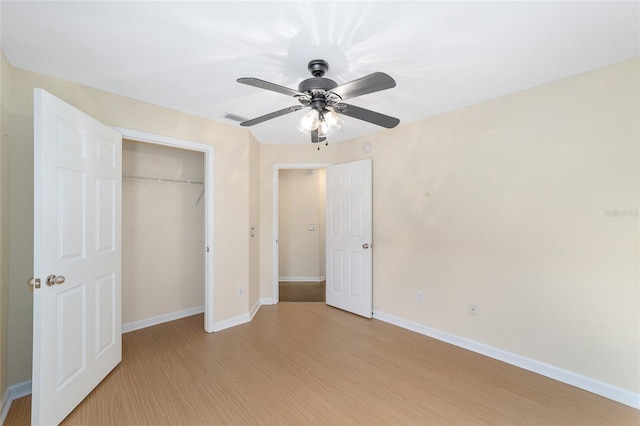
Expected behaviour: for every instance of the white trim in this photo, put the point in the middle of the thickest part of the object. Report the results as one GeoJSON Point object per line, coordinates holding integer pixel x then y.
{"type": "Point", "coordinates": [238, 320]}
{"type": "Point", "coordinates": [232, 322]}
{"type": "Point", "coordinates": [302, 279]}
{"type": "Point", "coordinates": [137, 325]}
{"type": "Point", "coordinates": [11, 394]}
{"type": "Point", "coordinates": [266, 301]}
{"type": "Point", "coordinates": [208, 151]}
{"type": "Point", "coordinates": [139, 136]}
{"type": "Point", "coordinates": [19, 390]}
{"type": "Point", "coordinates": [606, 390]}
{"type": "Point", "coordinates": [276, 174]}
{"type": "Point", "coordinates": [254, 310]}
{"type": "Point", "coordinates": [6, 405]}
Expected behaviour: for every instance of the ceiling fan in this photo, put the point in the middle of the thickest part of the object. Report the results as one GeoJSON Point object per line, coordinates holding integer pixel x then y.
{"type": "Point", "coordinates": [325, 99]}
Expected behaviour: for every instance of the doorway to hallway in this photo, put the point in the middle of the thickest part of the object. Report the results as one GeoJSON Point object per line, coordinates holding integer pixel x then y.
{"type": "Point", "coordinates": [301, 234]}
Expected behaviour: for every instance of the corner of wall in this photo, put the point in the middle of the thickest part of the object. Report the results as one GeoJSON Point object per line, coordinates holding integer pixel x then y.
{"type": "Point", "coordinates": [4, 226]}
{"type": "Point", "coordinates": [17, 95]}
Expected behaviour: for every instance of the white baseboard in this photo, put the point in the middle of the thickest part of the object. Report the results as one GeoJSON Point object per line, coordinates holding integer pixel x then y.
{"type": "Point", "coordinates": [20, 390]}
{"type": "Point", "coordinates": [244, 318]}
{"type": "Point", "coordinates": [302, 279]}
{"type": "Point", "coordinates": [137, 325]}
{"type": "Point", "coordinates": [606, 390]}
{"type": "Point", "coordinates": [231, 322]}
{"type": "Point", "coordinates": [240, 319]}
{"type": "Point", "coordinates": [6, 404]}
{"type": "Point", "coordinates": [254, 310]}
{"type": "Point", "coordinates": [12, 393]}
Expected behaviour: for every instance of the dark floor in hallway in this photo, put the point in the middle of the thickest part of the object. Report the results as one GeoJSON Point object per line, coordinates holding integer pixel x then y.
{"type": "Point", "coordinates": [297, 291]}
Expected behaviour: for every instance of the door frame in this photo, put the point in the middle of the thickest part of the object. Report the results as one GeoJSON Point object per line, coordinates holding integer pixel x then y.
{"type": "Point", "coordinates": [276, 182]}
{"type": "Point", "coordinates": [208, 151]}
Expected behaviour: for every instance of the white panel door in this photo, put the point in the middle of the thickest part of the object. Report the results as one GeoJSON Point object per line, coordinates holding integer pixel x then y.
{"type": "Point", "coordinates": [349, 236]}
{"type": "Point", "coordinates": [77, 337]}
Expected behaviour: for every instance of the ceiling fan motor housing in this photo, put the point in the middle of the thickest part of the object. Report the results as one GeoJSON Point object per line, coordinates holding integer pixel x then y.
{"type": "Point", "coordinates": [316, 83]}
{"type": "Point", "coordinates": [317, 86]}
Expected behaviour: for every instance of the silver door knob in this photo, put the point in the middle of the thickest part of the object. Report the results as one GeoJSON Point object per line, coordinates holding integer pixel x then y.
{"type": "Point", "coordinates": [53, 280]}
{"type": "Point", "coordinates": [34, 282]}
{"type": "Point", "coordinates": [365, 246]}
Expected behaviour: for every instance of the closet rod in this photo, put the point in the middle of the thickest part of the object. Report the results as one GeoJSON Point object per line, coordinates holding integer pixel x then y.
{"type": "Point", "coordinates": [160, 179]}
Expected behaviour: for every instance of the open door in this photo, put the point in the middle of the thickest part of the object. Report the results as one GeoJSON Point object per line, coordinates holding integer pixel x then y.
{"type": "Point", "coordinates": [349, 237]}
{"type": "Point", "coordinates": [77, 338]}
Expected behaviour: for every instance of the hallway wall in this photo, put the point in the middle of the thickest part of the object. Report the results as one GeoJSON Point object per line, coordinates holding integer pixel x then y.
{"type": "Point", "coordinates": [301, 195]}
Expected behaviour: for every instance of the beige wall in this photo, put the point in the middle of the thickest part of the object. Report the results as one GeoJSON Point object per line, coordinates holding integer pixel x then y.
{"type": "Point", "coordinates": [505, 204]}
{"type": "Point", "coordinates": [231, 181]}
{"type": "Point", "coordinates": [4, 227]}
{"type": "Point", "coordinates": [163, 232]}
{"type": "Point", "coordinates": [301, 203]}
{"type": "Point", "coordinates": [254, 221]}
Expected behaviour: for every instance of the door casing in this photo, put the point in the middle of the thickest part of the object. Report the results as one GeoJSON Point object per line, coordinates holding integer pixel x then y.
{"type": "Point", "coordinates": [276, 181]}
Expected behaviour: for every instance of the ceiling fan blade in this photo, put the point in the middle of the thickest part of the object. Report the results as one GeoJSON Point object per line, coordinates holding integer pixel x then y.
{"type": "Point", "coordinates": [315, 137]}
{"type": "Point", "coordinates": [256, 82]}
{"type": "Point", "coordinates": [367, 115]}
{"type": "Point", "coordinates": [271, 115]}
{"type": "Point", "coordinates": [368, 84]}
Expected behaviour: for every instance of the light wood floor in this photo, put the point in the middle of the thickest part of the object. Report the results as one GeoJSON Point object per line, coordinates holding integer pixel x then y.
{"type": "Point", "coordinates": [302, 291]}
{"type": "Point", "coordinates": [312, 364]}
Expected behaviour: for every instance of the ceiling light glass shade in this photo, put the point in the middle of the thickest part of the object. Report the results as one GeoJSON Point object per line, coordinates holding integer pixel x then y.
{"type": "Point", "coordinates": [323, 129]}
{"type": "Point", "coordinates": [310, 121]}
{"type": "Point", "coordinates": [333, 120]}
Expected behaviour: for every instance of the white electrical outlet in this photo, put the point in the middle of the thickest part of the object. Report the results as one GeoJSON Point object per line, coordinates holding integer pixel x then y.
{"type": "Point", "coordinates": [473, 309]}
{"type": "Point", "coordinates": [240, 291]}
{"type": "Point", "coordinates": [420, 297]}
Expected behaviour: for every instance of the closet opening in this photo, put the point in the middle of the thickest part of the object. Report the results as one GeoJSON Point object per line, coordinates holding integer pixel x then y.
{"type": "Point", "coordinates": [167, 223]}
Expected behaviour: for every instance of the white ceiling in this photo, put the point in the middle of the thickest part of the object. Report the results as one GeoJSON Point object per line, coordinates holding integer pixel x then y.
{"type": "Point", "coordinates": [443, 55]}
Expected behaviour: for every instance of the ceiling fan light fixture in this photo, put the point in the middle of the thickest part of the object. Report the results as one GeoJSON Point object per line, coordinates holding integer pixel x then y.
{"type": "Point", "coordinates": [333, 120]}
{"type": "Point", "coordinates": [310, 121]}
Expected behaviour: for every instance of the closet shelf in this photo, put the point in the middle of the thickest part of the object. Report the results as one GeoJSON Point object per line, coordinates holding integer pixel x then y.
{"type": "Point", "coordinates": [160, 179]}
